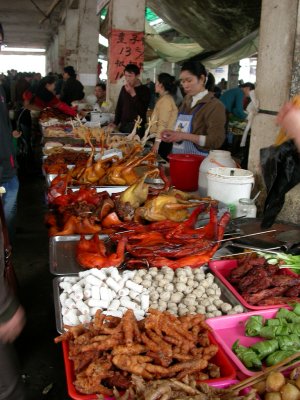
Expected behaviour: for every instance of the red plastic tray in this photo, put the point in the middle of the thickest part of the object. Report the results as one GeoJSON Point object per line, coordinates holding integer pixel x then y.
{"type": "Point", "coordinates": [229, 328]}
{"type": "Point", "coordinates": [227, 370]}
{"type": "Point", "coordinates": [222, 269]}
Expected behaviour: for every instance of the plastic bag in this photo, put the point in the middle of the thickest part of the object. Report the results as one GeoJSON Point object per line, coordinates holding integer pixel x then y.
{"type": "Point", "coordinates": [281, 172]}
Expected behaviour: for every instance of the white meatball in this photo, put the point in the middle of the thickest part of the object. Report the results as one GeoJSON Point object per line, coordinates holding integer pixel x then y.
{"type": "Point", "coordinates": [205, 303]}
{"type": "Point", "coordinates": [238, 309]}
{"type": "Point", "coordinates": [190, 282]}
{"type": "Point", "coordinates": [188, 271]}
{"type": "Point", "coordinates": [217, 313]}
{"type": "Point", "coordinates": [210, 315]}
{"type": "Point", "coordinates": [153, 271]}
{"type": "Point", "coordinates": [226, 307]}
{"type": "Point", "coordinates": [137, 279]}
{"type": "Point", "coordinates": [183, 311]}
{"type": "Point", "coordinates": [154, 296]}
{"type": "Point", "coordinates": [211, 308]}
{"type": "Point", "coordinates": [172, 305]}
{"type": "Point", "coordinates": [182, 279]}
{"type": "Point", "coordinates": [146, 283]}
{"type": "Point", "coordinates": [180, 287]}
{"type": "Point", "coordinates": [162, 283]}
{"type": "Point", "coordinates": [210, 292]}
{"type": "Point", "coordinates": [188, 289]}
{"type": "Point", "coordinates": [218, 303]}
{"type": "Point", "coordinates": [165, 296]}
{"type": "Point", "coordinates": [169, 287]}
{"type": "Point", "coordinates": [200, 309]}
{"type": "Point", "coordinates": [205, 283]}
{"type": "Point", "coordinates": [176, 297]}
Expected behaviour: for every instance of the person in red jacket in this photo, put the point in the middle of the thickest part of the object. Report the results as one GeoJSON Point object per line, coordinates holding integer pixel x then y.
{"type": "Point", "coordinates": [45, 97]}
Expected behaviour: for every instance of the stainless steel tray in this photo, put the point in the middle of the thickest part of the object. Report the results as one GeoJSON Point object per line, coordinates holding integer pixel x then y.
{"type": "Point", "coordinates": [226, 296]}
{"type": "Point", "coordinates": [62, 254]}
{"type": "Point", "coordinates": [109, 189]}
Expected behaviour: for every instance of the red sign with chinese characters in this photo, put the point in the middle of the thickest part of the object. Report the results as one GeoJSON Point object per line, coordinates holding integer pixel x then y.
{"type": "Point", "coordinates": [125, 47]}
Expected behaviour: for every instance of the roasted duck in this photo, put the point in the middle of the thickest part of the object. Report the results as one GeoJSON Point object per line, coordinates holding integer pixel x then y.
{"type": "Point", "coordinates": [92, 253]}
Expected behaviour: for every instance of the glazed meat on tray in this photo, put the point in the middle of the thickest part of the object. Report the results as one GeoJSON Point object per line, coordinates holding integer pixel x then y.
{"type": "Point", "coordinates": [261, 283]}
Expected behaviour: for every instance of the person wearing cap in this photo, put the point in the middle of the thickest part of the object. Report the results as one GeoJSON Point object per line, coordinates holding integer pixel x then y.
{"type": "Point", "coordinates": [72, 89]}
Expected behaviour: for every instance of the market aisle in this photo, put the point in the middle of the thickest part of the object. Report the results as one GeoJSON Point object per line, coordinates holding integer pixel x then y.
{"type": "Point", "coordinates": [41, 360]}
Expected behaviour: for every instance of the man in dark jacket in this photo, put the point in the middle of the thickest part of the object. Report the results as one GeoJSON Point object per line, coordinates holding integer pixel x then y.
{"type": "Point", "coordinates": [8, 168]}
{"type": "Point", "coordinates": [72, 89]}
{"type": "Point", "coordinates": [12, 320]}
{"type": "Point", "coordinates": [133, 101]}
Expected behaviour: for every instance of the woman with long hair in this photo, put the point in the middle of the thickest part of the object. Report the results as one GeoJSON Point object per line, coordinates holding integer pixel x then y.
{"type": "Point", "coordinates": [165, 112]}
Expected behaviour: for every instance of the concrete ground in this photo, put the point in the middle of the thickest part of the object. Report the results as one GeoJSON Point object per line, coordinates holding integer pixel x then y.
{"type": "Point", "coordinates": [41, 360]}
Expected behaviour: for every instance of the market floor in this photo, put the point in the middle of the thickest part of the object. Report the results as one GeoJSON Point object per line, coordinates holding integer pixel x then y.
{"type": "Point", "coordinates": [41, 360]}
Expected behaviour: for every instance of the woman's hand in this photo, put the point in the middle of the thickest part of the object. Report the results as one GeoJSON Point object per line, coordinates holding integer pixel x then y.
{"type": "Point", "coordinates": [155, 147]}
{"type": "Point", "coordinates": [11, 329]}
{"type": "Point", "coordinates": [289, 119]}
{"type": "Point", "coordinates": [171, 136]}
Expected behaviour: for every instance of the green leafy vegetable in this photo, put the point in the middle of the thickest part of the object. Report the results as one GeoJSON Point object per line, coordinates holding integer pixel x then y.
{"type": "Point", "coordinates": [248, 356]}
{"type": "Point", "coordinates": [276, 322]}
{"type": "Point", "coordinates": [263, 349]}
{"type": "Point", "coordinates": [290, 316]}
{"type": "Point", "coordinates": [271, 332]}
{"type": "Point", "coordinates": [297, 309]}
{"type": "Point", "coordinates": [254, 325]}
{"type": "Point", "coordinates": [291, 342]}
{"type": "Point", "coordinates": [290, 261]}
{"type": "Point", "coordinates": [278, 356]}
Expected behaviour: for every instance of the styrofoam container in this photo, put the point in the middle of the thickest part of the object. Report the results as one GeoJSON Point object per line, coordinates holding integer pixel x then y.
{"type": "Point", "coordinates": [223, 268]}
{"type": "Point", "coordinates": [229, 184]}
{"type": "Point", "coordinates": [230, 328]}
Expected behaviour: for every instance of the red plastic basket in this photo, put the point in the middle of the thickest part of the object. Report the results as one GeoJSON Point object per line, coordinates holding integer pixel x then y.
{"type": "Point", "coordinates": [227, 371]}
{"type": "Point", "coordinates": [222, 269]}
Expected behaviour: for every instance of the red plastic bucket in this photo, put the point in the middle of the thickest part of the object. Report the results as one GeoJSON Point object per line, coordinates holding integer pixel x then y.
{"type": "Point", "coordinates": [184, 171]}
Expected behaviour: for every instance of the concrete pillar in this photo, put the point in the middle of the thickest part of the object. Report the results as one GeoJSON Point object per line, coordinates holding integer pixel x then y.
{"type": "Point", "coordinates": [274, 72]}
{"type": "Point", "coordinates": [233, 75]}
{"type": "Point", "coordinates": [88, 42]}
{"type": "Point", "coordinates": [61, 47]}
{"type": "Point", "coordinates": [71, 37]}
{"type": "Point", "coordinates": [81, 42]}
{"type": "Point", "coordinates": [122, 19]}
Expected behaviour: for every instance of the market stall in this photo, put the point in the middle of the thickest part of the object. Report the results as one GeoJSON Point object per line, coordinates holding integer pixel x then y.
{"type": "Point", "coordinates": [154, 286]}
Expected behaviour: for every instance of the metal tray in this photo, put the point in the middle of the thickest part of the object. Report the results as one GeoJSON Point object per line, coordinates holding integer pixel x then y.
{"type": "Point", "coordinates": [226, 296]}
{"type": "Point", "coordinates": [109, 189]}
{"type": "Point", "coordinates": [62, 254]}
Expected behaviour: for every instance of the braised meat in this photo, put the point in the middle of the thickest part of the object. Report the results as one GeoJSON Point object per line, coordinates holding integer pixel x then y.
{"type": "Point", "coordinates": [263, 294]}
{"type": "Point", "coordinates": [264, 284]}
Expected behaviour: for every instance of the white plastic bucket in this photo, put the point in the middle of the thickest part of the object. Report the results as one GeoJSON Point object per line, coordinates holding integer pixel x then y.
{"type": "Point", "coordinates": [229, 184]}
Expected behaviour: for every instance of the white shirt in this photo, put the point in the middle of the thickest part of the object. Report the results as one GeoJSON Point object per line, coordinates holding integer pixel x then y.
{"type": "Point", "coordinates": [198, 96]}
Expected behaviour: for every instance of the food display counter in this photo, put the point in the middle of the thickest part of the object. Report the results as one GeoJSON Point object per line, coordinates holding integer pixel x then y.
{"type": "Point", "coordinates": [152, 284]}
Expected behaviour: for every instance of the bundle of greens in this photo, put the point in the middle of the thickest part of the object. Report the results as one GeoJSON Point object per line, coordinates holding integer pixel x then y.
{"type": "Point", "coordinates": [284, 260]}
{"type": "Point", "coordinates": [283, 333]}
